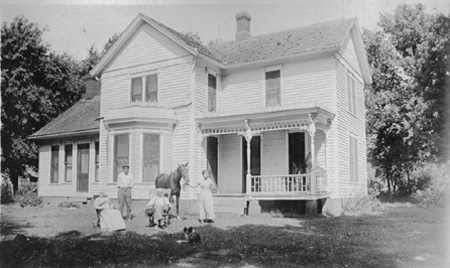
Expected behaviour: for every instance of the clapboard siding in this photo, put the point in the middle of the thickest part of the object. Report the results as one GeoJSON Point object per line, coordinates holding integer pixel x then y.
{"type": "Point", "coordinates": [275, 155]}
{"type": "Point", "coordinates": [307, 82]}
{"type": "Point", "coordinates": [348, 53]}
{"type": "Point", "coordinates": [144, 46]}
{"type": "Point", "coordinates": [242, 90]}
{"type": "Point", "coordinates": [350, 124]}
{"type": "Point", "coordinates": [230, 162]}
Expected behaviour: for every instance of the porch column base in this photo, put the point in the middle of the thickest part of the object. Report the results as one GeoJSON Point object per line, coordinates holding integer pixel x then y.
{"type": "Point", "coordinates": [253, 207]}
{"type": "Point", "coordinates": [333, 207]}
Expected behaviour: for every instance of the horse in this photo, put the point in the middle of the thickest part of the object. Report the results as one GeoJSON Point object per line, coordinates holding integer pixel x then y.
{"type": "Point", "coordinates": [172, 181]}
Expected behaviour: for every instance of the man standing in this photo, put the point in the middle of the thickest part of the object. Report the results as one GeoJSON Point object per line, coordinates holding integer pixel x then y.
{"type": "Point", "coordinates": [125, 184]}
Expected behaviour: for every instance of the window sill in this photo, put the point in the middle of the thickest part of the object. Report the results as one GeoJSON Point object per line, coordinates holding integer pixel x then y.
{"type": "Point", "coordinates": [67, 183]}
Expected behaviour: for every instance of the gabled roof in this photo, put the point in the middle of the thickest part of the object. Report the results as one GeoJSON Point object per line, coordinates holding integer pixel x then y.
{"type": "Point", "coordinates": [316, 38]}
{"type": "Point", "coordinates": [80, 119]}
{"type": "Point", "coordinates": [188, 43]}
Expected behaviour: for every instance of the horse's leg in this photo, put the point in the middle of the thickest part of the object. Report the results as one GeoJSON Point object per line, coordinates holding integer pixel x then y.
{"type": "Point", "coordinates": [178, 204]}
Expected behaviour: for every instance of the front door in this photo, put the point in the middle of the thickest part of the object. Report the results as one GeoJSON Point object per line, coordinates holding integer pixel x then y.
{"type": "Point", "coordinates": [255, 159]}
{"type": "Point", "coordinates": [83, 168]}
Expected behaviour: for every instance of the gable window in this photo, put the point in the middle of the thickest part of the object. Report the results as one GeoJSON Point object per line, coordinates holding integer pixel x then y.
{"type": "Point", "coordinates": [121, 153]}
{"type": "Point", "coordinates": [273, 88]}
{"type": "Point", "coordinates": [149, 93]}
{"type": "Point", "coordinates": [212, 93]}
{"type": "Point", "coordinates": [97, 162]}
{"type": "Point", "coordinates": [151, 157]}
{"type": "Point", "coordinates": [54, 164]}
{"type": "Point", "coordinates": [353, 158]}
{"type": "Point", "coordinates": [68, 156]}
{"type": "Point", "coordinates": [351, 94]}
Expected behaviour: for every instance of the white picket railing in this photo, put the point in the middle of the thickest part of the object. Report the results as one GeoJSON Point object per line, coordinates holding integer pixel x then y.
{"type": "Point", "coordinates": [293, 183]}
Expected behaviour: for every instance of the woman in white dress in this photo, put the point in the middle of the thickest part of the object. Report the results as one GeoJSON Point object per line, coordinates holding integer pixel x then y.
{"type": "Point", "coordinates": [205, 198]}
{"type": "Point", "coordinates": [110, 218]}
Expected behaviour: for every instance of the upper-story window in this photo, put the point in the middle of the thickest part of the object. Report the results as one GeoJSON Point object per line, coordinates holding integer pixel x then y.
{"type": "Point", "coordinates": [212, 93]}
{"type": "Point", "coordinates": [273, 88]}
{"type": "Point", "coordinates": [351, 94]}
{"type": "Point", "coordinates": [149, 92]}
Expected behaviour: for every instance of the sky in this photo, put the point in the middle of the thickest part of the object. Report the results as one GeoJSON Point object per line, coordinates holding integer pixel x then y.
{"type": "Point", "coordinates": [73, 26]}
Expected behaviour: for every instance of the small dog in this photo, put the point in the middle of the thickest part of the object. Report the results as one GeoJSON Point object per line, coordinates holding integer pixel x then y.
{"type": "Point", "coordinates": [190, 236]}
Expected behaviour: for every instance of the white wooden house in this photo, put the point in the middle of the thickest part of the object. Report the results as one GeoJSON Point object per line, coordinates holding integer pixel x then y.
{"type": "Point", "coordinates": [274, 117]}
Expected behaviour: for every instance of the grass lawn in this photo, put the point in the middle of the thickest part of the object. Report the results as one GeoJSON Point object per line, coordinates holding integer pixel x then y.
{"type": "Point", "coordinates": [401, 236]}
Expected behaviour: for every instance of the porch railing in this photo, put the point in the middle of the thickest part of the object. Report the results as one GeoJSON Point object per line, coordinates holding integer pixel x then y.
{"type": "Point", "coordinates": [293, 183]}
{"type": "Point", "coordinates": [312, 183]}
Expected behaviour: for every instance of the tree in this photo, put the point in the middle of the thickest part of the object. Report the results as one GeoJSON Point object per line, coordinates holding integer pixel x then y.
{"type": "Point", "coordinates": [36, 86]}
{"type": "Point", "coordinates": [94, 56]}
{"type": "Point", "coordinates": [405, 107]}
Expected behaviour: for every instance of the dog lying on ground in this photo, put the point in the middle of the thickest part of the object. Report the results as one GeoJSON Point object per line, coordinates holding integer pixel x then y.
{"type": "Point", "coordinates": [190, 236]}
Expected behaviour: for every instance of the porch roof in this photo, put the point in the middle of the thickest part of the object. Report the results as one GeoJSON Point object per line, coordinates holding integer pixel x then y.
{"type": "Point", "coordinates": [264, 119]}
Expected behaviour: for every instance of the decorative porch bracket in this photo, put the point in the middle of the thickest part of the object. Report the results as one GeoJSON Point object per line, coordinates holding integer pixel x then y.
{"type": "Point", "coordinates": [248, 134]}
{"type": "Point", "coordinates": [201, 136]}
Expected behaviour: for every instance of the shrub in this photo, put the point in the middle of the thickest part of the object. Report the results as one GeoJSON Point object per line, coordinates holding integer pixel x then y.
{"type": "Point", "coordinates": [362, 204]}
{"type": "Point", "coordinates": [435, 185]}
{"type": "Point", "coordinates": [7, 190]}
{"type": "Point", "coordinates": [27, 195]}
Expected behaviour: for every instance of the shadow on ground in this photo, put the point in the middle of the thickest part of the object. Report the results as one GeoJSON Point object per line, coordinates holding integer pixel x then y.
{"type": "Point", "coordinates": [319, 242]}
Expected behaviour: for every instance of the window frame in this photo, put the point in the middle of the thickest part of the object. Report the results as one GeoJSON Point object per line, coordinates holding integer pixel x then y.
{"type": "Point", "coordinates": [144, 81]}
{"type": "Point", "coordinates": [159, 135]}
{"type": "Point", "coordinates": [351, 93]}
{"type": "Point", "coordinates": [114, 164]}
{"type": "Point", "coordinates": [270, 70]}
{"type": "Point", "coordinates": [213, 74]}
{"type": "Point", "coordinates": [54, 165]}
{"type": "Point", "coordinates": [353, 158]}
{"type": "Point", "coordinates": [66, 163]}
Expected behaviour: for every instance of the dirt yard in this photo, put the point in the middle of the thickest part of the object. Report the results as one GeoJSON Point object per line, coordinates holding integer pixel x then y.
{"type": "Point", "coordinates": [401, 236]}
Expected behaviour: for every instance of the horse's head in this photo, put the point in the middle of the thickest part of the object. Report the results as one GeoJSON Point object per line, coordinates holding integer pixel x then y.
{"type": "Point", "coordinates": [184, 171]}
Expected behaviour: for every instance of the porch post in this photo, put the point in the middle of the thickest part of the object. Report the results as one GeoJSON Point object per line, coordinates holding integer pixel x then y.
{"type": "Point", "coordinates": [248, 134]}
{"type": "Point", "coordinates": [312, 134]}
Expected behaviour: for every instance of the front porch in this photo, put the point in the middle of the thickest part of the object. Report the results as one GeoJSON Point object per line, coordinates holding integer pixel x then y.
{"type": "Point", "coordinates": [272, 168]}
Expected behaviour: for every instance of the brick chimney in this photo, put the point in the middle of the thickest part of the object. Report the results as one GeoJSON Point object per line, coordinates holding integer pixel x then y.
{"type": "Point", "coordinates": [243, 26]}
{"type": "Point", "coordinates": [92, 87]}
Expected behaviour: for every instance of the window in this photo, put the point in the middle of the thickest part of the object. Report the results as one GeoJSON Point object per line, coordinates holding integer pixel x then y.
{"type": "Point", "coordinates": [121, 153]}
{"type": "Point", "coordinates": [136, 89]}
{"type": "Point", "coordinates": [353, 150]}
{"type": "Point", "coordinates": [212, 91]}
{"type": "Point", "coordinates": [97, 154]}
{"type": "Point", "coordinates": [54, 164]}
{"type": "Point", "coordinates": [68, 156]}
{"type": "Point", "coordinates": [273, 88]}
{"type": "Point", "coordinates": [150, 94]}
{"type": "Point", "coordinates": [351, 94]}
{"type": "Point", "coordinates": [151, 157]}
{"type": "Point", "coordinates": [151, 88]}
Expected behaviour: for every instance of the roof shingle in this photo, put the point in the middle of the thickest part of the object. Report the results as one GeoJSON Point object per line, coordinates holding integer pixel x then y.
{"type": "Point", "coordinates": [79, 118]}
{"type": "Point", "coordinates": [309, 38]}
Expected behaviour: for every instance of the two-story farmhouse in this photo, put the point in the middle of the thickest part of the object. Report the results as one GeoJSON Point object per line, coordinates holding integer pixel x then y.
{"type": "Point", "coordinates": [274, 117]}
